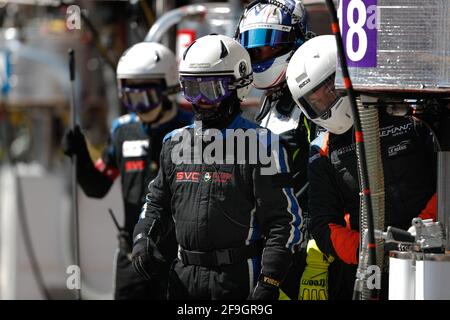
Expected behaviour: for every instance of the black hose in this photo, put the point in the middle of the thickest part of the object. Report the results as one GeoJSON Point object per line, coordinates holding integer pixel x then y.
{"type": "Point", "coordinates": [35, 269]}
{"type": "Point", "coordinates": [27, 239]}
{"type": "Point", "coordinates": [359, 139]}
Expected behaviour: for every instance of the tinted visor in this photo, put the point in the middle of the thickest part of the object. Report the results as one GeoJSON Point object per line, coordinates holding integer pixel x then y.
{"type": "Point", "coordinates": [266, 53]}
{"type": "Point", "coordinates": [261, 37]}
{"type": "Point", "coordinates": [142, 98]}
{"type": "Point", "coordinates": [321, 99]}
{"type": "Point", "coordinates": [210, 90]}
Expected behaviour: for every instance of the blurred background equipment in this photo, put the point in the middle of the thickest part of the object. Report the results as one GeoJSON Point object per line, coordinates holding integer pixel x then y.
{"type": "Point", "coordinates": [34, 110]}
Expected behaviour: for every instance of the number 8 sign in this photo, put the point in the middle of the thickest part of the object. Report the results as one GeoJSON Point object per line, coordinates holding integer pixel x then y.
{"type": "Point", "coordinates": [358, 22]}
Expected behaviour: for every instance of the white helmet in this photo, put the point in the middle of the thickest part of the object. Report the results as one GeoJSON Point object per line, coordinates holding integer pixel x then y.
{"type": "Point", "coordinates": [213, 67]}
{"type": "Point", "coordinates": [310, 77]}
{"type": "Point", "coordinates": [278, 24]}
{"type": "Point", "coordinates": [148, 60]}
{"type": "Point", "coordinates": [138, 67]}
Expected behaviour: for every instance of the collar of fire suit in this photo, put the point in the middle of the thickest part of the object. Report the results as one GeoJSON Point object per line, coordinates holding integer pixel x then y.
{"type": "Point", "coordinates": [277, 92]}
{"type": "Point", "coordinates": [238, 122]}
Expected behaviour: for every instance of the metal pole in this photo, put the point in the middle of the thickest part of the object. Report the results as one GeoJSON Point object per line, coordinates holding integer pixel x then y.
{"type": "Point", "coordinates": [444, 193]}
{"type": "Point", "coordinates": [73, 114]}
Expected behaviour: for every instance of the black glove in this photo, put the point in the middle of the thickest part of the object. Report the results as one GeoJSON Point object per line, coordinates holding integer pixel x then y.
{"type": "Point", "coordinates": [266, 289]}
{"type": "Point", "coordinates": [147, 260]}
{"type": "Point", "coordinates": [124, 243]}
{"type": "Point", "coordinates": [73, 142]}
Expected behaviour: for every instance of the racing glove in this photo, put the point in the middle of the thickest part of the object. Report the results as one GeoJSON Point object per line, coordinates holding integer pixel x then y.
{"type": "Point", "coordinates": [73, 142]}
{"type": "Point", "coordinates": [146, 258]}
{"type": "Point", "coordinates": [266, 289]}
{"type": "Point", "coordinates": [124, 243]}
{"type": "Point", "coordinates": [314, 281]}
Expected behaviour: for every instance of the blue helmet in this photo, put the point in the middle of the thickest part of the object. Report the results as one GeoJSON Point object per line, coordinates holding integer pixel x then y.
{"type": "Point", "coordinates": [271, 31]}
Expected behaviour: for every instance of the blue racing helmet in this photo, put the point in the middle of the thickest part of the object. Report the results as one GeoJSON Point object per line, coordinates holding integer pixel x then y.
{"type": "Point", "coordinates": [271, 31]}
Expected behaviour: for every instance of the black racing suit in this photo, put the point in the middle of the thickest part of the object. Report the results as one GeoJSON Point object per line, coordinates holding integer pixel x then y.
{"type": "Point", "coordinates": [409, 165]}
{"type": "Point", "coordinates": [133, 153]}
{"type": "Point", "coordinates": [221, 214]}
{"type": "Point", "coordinates": [280, 114]}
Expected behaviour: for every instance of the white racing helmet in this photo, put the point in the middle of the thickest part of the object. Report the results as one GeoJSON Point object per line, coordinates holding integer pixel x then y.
{"type": "Point", "coordinates": [145, 73]}
{"type": "Point", "coordinates": [278, 24]}
{"type": "Point", "coordinates": [310, 77]}
{"type": "Point", "coordinates": [213, 67]}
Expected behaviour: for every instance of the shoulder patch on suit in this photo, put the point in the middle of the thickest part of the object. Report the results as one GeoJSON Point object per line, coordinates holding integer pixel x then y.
{"type": "Point", "coordinates": [135, 148]}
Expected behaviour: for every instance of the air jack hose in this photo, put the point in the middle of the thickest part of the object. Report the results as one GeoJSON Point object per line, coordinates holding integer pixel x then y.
{"type": "Point", "coordinates": [371, 128]}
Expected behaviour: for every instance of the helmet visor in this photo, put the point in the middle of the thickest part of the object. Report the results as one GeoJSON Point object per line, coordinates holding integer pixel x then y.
{"type": "Point", "coordinates": [143, 98]}
{"type": "Point", "coordinates": [260, 37]}
{"type": "Point", "coordinates": [210, 90]}
{"type": "Point", "coordinates": [321, 99]}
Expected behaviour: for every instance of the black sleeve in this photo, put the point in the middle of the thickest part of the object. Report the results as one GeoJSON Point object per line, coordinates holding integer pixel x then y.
{"type": "Point", "coordinates": [156, 218]}
{"type": "Point", "coordinates": [278, 214]}
{"type": "Point", "coordinates": [93, 182]}
{"type": "Point", "coordinates": [327, 224]}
